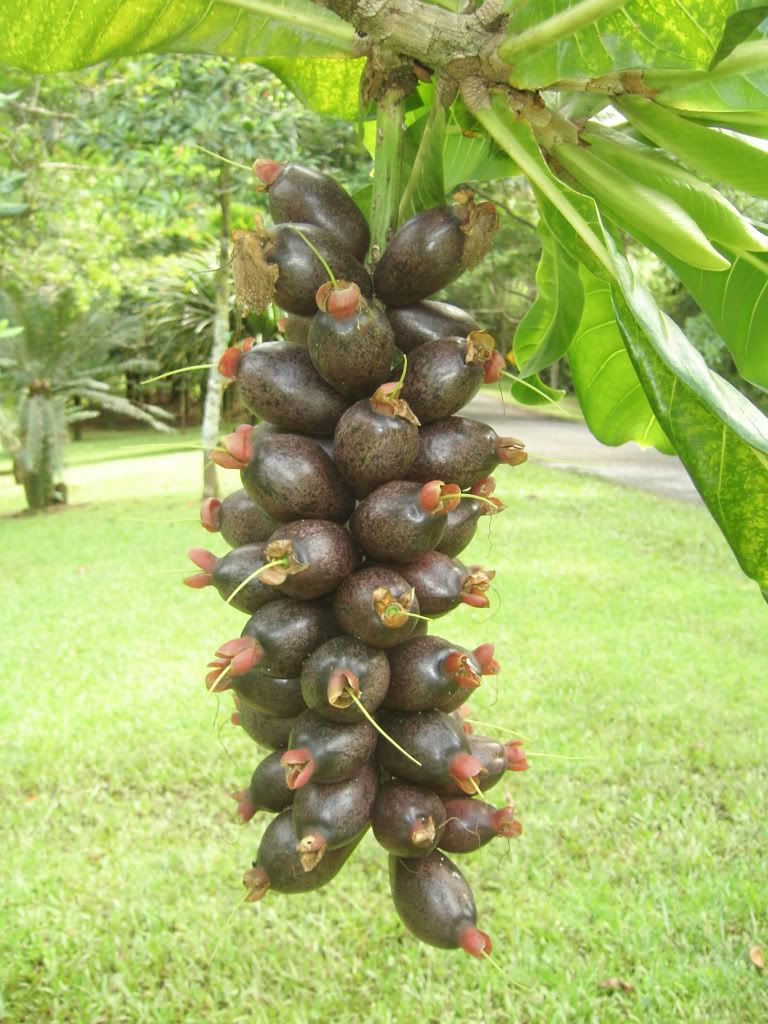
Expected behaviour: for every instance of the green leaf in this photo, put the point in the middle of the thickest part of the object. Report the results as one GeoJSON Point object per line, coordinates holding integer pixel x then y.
{"type": "Point", "coordinates": [738, 28]}
{"type": "Point", "coordinates": [473, 157]}
{"type": "Point", "coordinates": [667, 33]}
{"type": "Point", "coordinates": [737, 304]}
{"type": "Point", "coordinates": [549, 325]}
{"type": "Point", "coordinates": [13, 209]}
{"type": "Point", "coordinates": [711, 153]}
{"type": "Point", "coordinates": [720, 436]}
{"type": "Point", "coordinates": [61, 35]}
{"type": "Point", "coordinates": [330, 87]}
{"type": "Point", "coordinates": [609, 391]}
{"type": "Point", "coordinates": [531, 390]}
{"type": "Point", "coordinates": [718, 218]}
{"type": "Point", "coordinates": [425, 186]}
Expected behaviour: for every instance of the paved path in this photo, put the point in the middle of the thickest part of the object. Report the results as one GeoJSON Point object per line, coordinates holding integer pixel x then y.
{"type": "Point", "coordinates": [552, 439]}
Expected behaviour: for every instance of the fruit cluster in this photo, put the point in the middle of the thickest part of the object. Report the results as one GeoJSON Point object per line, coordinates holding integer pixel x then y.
{"type": "Point", "coordinates": [361, 486]}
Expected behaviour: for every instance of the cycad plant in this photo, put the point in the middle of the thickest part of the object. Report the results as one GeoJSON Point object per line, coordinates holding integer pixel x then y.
{"type": "Point", "coordinates": [58, 369]}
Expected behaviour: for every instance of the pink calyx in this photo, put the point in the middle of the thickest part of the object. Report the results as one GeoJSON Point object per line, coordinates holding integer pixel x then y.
{"type": "Point", "coordinates": [267, 170]}
{"type": "Point", "coordinates": [494, 368]}
{"type": "Point", "coordinates": [204, 560]}
{"type": "Point", "coordinates": [245, 805]}
{"type": "Point", "coordinates": [423, 831]}
{"type": "Point", "coordinates": [506, 824]}
{"type": "Point", "coordinates": [210, 515]}
{"type": "Point", "coordinates": [484, 488]}
{"type": "Point", "coordinates": [457, 667]}
{"type": "Point", "coordinates": [342, 683]}
{"type": "Point", "coordinates": [299, 767]}
{"type": "Point", "coordinates": [464, 769]}
{"type": "Point", "coordinates": [386, 401]}
{"type": "Point", "coordinates": [474, 587]}
{"type": "Point", "coordinates": [510, 451]}
{"type": "Point", "coordinates": [340, 301]}
{"type": "Point", "coordinates": [233, 658]}
{"type": "Point", "coordinates": [436, 496]}
{"type": "Point", "coordinates": [229, 364]}
{"type": "Point", "coordinates": [474, 942]}
{"type": "Point", "coordinates": [238, 449]}
{"type": "Point", "coordinates": [516, 759]}
{"type": "Point", "coordinates": [310, 849]}
{"type": "Point", "coordinates": [484, 657]}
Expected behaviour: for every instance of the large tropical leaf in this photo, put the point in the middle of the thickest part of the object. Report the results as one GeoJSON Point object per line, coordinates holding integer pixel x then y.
{"type": "Point", "coordinates": [667, 33]}
{"type": "Point", "coordinates": [60, 35]}
{"type": "Point", "coordinates": [329, 86]}
{"type": "Point", "coordinates": [609, 391]}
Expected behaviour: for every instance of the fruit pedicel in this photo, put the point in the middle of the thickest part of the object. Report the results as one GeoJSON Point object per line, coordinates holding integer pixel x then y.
{"type": "Point", "coordinates": [361, 486]}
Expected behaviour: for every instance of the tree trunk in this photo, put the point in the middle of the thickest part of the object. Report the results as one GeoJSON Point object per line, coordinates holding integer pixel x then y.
{"type": "Point", "coordinates": [213, 392]}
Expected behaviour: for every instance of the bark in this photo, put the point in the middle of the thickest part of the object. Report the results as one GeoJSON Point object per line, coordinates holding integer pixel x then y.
{"type": "Point", "coordinates": [214, 389]}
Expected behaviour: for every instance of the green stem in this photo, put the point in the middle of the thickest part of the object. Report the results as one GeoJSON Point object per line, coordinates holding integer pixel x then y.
{"type": "Point", "coordinates": [255, 575]}
{"type": "Point", "coordinates": [558, 27]}
{"type": "Point", "coordinates": [333, 29]}
{"type": "Point", "coordinates": [365, 712]}
{"type": "Point", "coordinates": [387, 169]}
{"type": "Point", "coordinates": [543, 181]}
{"type": "Point", "coordinates": [223, 159]}
{"type": "Point", "coordinates": [172, 373]}
{"type": "Point", "coordinates": [743, 59]}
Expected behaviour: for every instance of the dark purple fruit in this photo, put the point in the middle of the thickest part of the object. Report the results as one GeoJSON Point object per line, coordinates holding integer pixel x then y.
{"type": "Point", "coordinates": [434, 901]}
{"type": "Point", "coordinates": [463, 520]}
{"type": "Point", "coordinates": [435, 740]}
{"type": "Point", "coordinates": [495, 759]}
{"type": "Point", "coordinates": [327, 816]}
{"type": "Point", "coordinates": [375, 606]}
{"type": "Point", "coordinates": [278, 266]}
{"type": "Point", "coordinates": [432, 249]}
{"type": "Point", "coordinates": [338, 668]}
{"type": "Point", "coordinates": [269, 695]}
{"type": "Point", "coordinates": [376, 440]}
{"type": "Point", "coordinates": [266, 730]}
{"type": "Point", "coordinates": [326, 751]}
{"type": "Point", "coordinates": [300, 194]}
{"type": "Point", "coordinates": [295, 329]}
{"type": "Point", "coordinates": [239, 519]}
{"type": "Point", "coordinates": [278, 863]}
{"type": "Point", "coordinates": [406, 819]}
{"type": "Point", "coordinates": [444, 375]}
{"type": "Point", "coordinates": [318, 555]}
{"type": "Point", "coordinates": [470, 824]}
{"type": "Point", "coordinates": [289, 475]}
{"type": "Point", "coordinates": [229, 573]}
{"type": "Point", "coordinates": [400, 521]}
{"type": "Point", "coordinates": [428, 321]}
{"type": "Point", "coordinates": [267, 790]}
{"type": "Point", "coordinates": [351, 343]}
{"type": "Point", "coordinates": [462, 451]}
{"type": "Point", "coordinates": [442, 583]}
{"type": "Point", "coordinates": [279, 383]}
{"type": "Point", "coordinates": [428, 672]}
{"type": "Point", "coordinates": [287, 631]}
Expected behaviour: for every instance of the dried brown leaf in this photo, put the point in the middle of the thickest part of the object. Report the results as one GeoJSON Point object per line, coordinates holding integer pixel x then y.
{"type": "Point", "coordinates": [757, 958]}
{"type": "Point", "coordinates": [617, 985]}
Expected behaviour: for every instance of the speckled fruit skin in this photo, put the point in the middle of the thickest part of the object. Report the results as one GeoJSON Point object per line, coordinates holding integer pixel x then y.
{"type": "Point", "coordinates": [438, 581]}
{"type": "Point", "coordinates": [401, 808]}
{"type": "Point", "coordinates": [279, 383]}
{"type": "Point", "coordinates": [293, 478]}
{"type": "Point", "coordinates": [372, 447]}
{"type": "Point", "coordinates": [233, 568]}
{"type": "Point", "coordinates": [269, 695]}
{"type": "Point", "coordinates": [278, 858]}
{"type": "Point", "coordinates": [301, 194]}
{"type": "Point", "coordinates": [267, 730]}
{"type": "Point", "coordinates": [422, 257]}
{"type": "Point", "coordinates": [439, 380]}
{"type": "Point", "coordinates": [461, 527]}
{"type": "Point", "coordinates": [391, 526]}
{"type": "Point", "coordinates": [428, 321]}
{"type": "Point", "coordinates": [267, 789]}
{"type": "Point", "coordinates": [417, 679]}
{"type": "Point", "coordinates": [470, 824]}
{"type": "Point", "coordinates": [340, 812]}
{"type": "Point", "coordinates": [242, 521]}
{"type": "Point", "coordinates": [432, 898]}
{"type": "Point", "coordinates": [338, 750]}
{"type": "Point", "coordinates": [353, 354]}
{"type": "Point", "coordinates": [432, 737]}
{"type": "Point", "coordinates": [301, 273]}
{"type": "Point", "coordinates": [355, 611]}
{"type": "Point", "coordinates": [325, 548]}
{"type": "Point", "coordinates": [493, 758]}
{"type": "Point", "coordinates": [369, 664]}
{"type": "Point", "coordinates": [457, 450]}
{"type": "Point", "coordinates": [288, 631]}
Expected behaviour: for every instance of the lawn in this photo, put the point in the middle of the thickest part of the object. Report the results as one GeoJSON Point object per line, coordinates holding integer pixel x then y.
{"type": "Point", "coordinates": [631, 647]}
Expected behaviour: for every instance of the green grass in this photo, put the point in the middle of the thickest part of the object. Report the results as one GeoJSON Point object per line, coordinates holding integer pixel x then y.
{"type": "Point", "coordinates": [628, 638]}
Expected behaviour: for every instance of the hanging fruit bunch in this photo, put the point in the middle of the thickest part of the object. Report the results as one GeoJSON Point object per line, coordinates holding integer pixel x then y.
{"type": "Point", "coordinates": [361, 488]}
